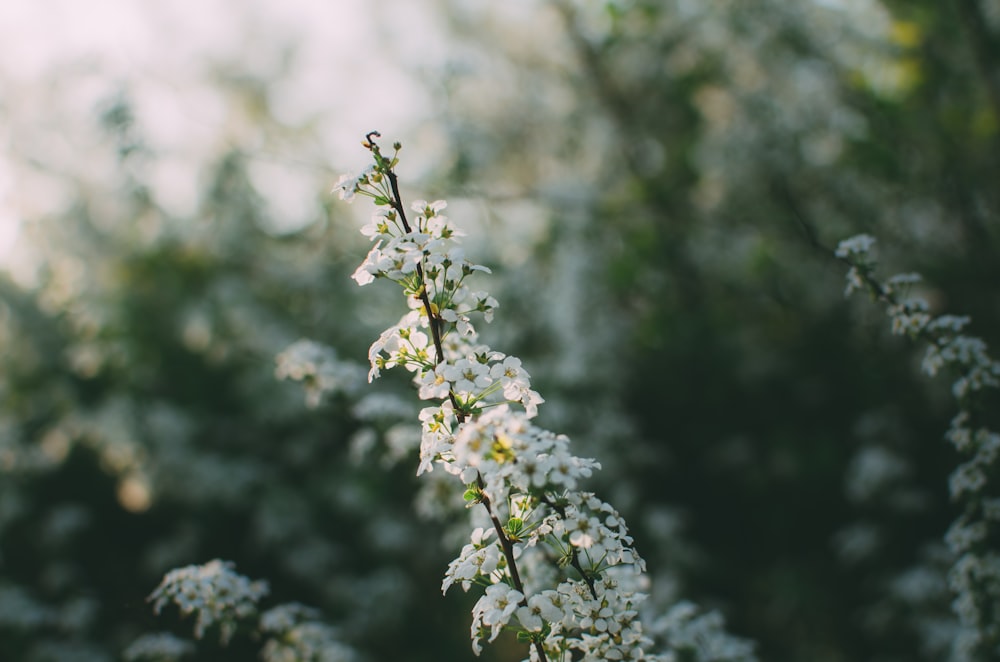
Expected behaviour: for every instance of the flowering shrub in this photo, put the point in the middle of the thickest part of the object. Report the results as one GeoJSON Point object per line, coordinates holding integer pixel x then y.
{"type": "Point", "coordinates": [556, 564]}
{"type": "Point", "coordinates": [213, 592]}
{"type": "Point", "coordinates": [218, 596]}
{"type": "Point", "coordinates": [975, 573]}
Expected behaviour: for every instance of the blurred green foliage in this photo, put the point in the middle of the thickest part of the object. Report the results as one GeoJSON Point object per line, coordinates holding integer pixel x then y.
{"type": "Point", "coordinates": [658, 185]}
{"type": "Point", "coordinates": [719, 152]}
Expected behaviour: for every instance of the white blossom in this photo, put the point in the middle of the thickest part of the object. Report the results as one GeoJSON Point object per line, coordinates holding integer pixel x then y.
{"type": "Point", "coordinates": [494, 609]}
{"type": "Point", "coordinates": [214, 592]}
{"type": "Point", "coordinates": [857, 245]}
{"type": "Point", "coordinates": [158, 646]}
{"type": "Point", "coordinates": [348, 185]}
{"type": "Point", "coordinates": [479, 558]}
{"type": "Point", "coordinates": [974, 577]}
{"type": "Point", "coordinates": [318, 368]}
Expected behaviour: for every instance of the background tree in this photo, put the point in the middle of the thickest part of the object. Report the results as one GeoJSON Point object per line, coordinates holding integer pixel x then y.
{"type": "Point", "coordinates": [729, 143]}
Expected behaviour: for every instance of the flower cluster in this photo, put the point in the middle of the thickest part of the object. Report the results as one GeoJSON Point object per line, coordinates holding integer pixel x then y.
{"type": "Point", "coordinates": [700, 636]}
{"type": "Point", "coordinates": [298, 635]}
{"type": "Point", "coordinates": [217, 594]}
{"type": "Point", "coordinates": [318, 368]}
{"type": "Point", "coordinates": [975, 573]}
{"type": "Point", "coordinates": [158, 646]}
{"type": "Point", "coordinates": [214, 592]}
{"type": "Point", "coordinates": [556, 564]}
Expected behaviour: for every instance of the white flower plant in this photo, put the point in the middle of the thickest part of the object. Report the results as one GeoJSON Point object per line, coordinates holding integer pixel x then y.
{"type": "Point", "coordinates": [973, 538]}
{"type": "Point", "coordinates": [556, 565]}
{"type": "Point", "coordinates": [222, 600]}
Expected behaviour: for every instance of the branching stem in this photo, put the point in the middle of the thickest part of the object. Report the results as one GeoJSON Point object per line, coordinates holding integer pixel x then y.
{"type": "Point", "coordinates": [435, 322]}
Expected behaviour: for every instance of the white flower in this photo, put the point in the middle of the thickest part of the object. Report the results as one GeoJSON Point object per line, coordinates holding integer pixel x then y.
{"type": "Point", "coordinates": [479, 558]}
{"type": "Point", "coordinates": [468, 376]}
{"type": "Point", "coordinates": [214, 592]}
{"type": "Point", "coordinates": [511, 376]}
{"type": "Point", "coordinates": [495, 608]}
{"type": "Point", "coordinates": [285, 616]}
{"type": "Point", "coordinates": [428, 209]}
{"type": "Point", "coordinates": [436, 439]}
{"type": "Point", "coordinates": [371, 267]}
{"type": "Point", "coordinates": [855, 281]}
{"type": "Point", "coordinates": [461, 322]}
{"type": "Point", "coordinates": [378, 227]}
{"type": "Point", "coordinates": [901, 281]}
{"type": "Point", "coordinates": [159, 646]}
{"type": "Point", "coordinates": [583, 531]}
{"type": "Point", "coordinates": [348, 184]}
{"type": "Point", "coordinates": [434, 384]}
{"type": "Point", "coordinates": [485, 304]}
{"type": "Point", "coordinates": [857, 245]}
{"type": "Point", "coordinates": [318, 368]}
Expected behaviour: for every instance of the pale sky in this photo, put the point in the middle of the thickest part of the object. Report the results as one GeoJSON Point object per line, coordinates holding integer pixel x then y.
{"type": "Point", "coordinates": [65, 55]}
